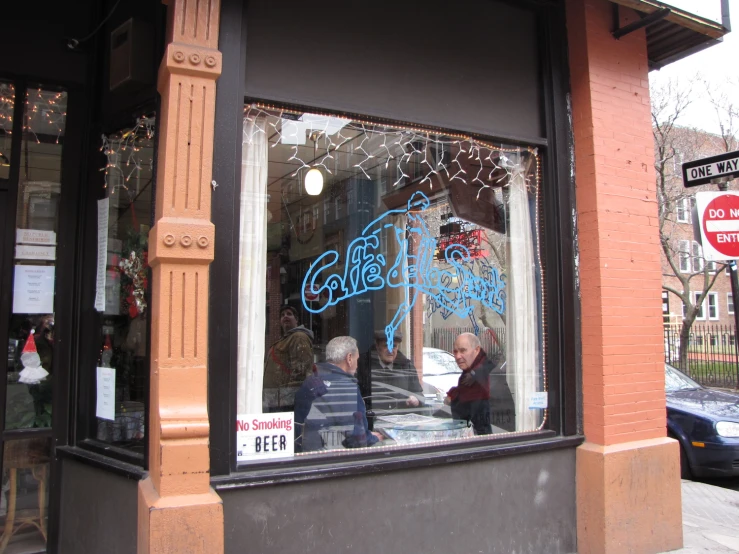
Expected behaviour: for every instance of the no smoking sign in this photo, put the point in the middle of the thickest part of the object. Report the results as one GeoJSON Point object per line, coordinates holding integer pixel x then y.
{"type": "Point", "coordinates": [718, 213]}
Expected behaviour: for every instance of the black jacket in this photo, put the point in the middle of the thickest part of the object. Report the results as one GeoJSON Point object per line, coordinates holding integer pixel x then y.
{"type": "Point", "coordinates": [482, 396]}
{"type": "Point", "coordinates": [403, 374]}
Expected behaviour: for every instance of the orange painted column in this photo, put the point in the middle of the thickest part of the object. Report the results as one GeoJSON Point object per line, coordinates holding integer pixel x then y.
{"type": "Point", "coordinates": [628, 477]}
{"type": "Point", "coordinates": [178, 510]}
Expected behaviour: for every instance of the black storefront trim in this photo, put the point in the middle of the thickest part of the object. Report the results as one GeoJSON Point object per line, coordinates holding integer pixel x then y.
{"type": "Point", "coordinates": [560, 228]}
{"type": "Point", "coordinates": [101, 461]}
{"type": "Point", "coordinates": [559, 250]}
{"type": "Point", "coordinates": [386, 461]}
{"type": "Point", "coordinates": [223, 320]}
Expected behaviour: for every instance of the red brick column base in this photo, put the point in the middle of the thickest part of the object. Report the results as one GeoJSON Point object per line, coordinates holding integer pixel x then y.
{"type": "Point", "coordinates": [626, 498]}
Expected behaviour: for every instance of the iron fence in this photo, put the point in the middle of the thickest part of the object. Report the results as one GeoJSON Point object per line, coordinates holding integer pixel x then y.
{"type": "Point", "coordinates": [711, 355]}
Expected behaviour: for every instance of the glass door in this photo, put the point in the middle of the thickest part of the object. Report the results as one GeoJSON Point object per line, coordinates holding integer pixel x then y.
{"type": "Point", "coordinates": [32, 128]}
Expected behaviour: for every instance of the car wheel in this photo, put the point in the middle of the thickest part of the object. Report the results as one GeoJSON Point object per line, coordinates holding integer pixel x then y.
{"type": "Point", "coordinates": [685, 472]}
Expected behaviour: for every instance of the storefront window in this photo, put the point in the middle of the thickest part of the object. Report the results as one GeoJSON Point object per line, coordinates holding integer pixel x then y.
{"type": "Point", "coordinates": [403, 286]}
{"type": "Point", "coordinates": [31, 346]}
{"type": "Point", "coordinates": [124, 217]}
{"type": "Point", "coordinates": [7, 104]}
{"type": "Point", "coordinates": [31, 364]}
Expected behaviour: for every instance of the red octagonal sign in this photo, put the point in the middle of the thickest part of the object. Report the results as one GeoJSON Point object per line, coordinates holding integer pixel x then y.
{"type": "Point", "coordinates": [721, 224]}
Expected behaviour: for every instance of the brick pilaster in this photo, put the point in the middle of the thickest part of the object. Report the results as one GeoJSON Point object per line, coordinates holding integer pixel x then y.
{"type": "Point", "coordinates": [628, 474]}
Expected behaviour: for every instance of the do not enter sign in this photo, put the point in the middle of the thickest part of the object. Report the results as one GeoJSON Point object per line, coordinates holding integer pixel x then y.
{"type": "Point", "coordinates": [308, 294]}
{"type": "Point", "coordinates": [719, 224]}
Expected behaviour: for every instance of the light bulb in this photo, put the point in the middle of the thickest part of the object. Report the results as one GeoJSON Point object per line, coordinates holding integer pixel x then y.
{"type": "Point", "coordinates": [314, 182]}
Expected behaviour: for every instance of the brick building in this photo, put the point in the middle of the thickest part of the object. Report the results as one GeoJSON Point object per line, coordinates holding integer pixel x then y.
{"type": "Point", "coordinates": [683, 242]}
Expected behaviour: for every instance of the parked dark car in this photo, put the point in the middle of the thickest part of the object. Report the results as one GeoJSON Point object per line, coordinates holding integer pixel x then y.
{"type": "Point", "coordinates": [706, 424]}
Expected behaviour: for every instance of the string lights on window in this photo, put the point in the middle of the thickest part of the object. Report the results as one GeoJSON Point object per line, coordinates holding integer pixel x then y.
{"type": "Point", "coordinates": [124, 153]}
{"type": "Point", "coordinates": [413, 151]}
{"type": "Point", "coordinates": [7, 103]}
{"type": "Point", "coordinates": [46, 111]}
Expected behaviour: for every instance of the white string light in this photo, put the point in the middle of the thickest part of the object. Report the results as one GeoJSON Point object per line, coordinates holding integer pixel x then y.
{"type": "Point", "coordinates": [123, 153]}
{"type": "Point", "coordinates": [407, 145]}
{"type": "Point", "coordinates": [7, 103]}
{"type": "Point", "coordinates": [52, 108]}
{"type": "Point", "coordinates": [49, 106]}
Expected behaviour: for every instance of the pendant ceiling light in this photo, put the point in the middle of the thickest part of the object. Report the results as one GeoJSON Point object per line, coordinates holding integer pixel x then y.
{"type": "Point", "coordinates": [314, 182]}
{"type": "Point", "coordinates": [314, 177]}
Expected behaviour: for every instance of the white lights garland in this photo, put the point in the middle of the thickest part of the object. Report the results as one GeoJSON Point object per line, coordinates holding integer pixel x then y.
{"type": "Point", "coordinates": [45, 114]}
{"type": "Point", "coordinates": [7, 103]}
{"type": "Point", "coordinates": [123, 153]}
{"type": "Point", "coordinates": [51, 106]}
{"type": "Point", "coordinates": [402, 145]}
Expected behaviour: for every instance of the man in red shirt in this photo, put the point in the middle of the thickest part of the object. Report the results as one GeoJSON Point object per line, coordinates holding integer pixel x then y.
{"type": "Point", "coordinates": [470, 399]}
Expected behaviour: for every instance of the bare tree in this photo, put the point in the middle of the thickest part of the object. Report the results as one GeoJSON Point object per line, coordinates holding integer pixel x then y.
{"type": "Point", "coordinates": [727, 111]}
{"type": "Point", "coordinates": [674, 145]}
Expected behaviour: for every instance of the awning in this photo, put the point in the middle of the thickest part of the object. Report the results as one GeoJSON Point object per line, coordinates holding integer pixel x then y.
{"type": "Point", "coordinates": [672, 33]}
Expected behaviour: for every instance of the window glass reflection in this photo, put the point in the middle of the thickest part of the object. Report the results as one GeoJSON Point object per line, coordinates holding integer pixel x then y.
{"type": "Point", "coordinates": [124, 332]}
{"type": "Point", "coordinates": [31, 337]}
{"type": "Point", "coordinates": [403, 282]}
{"type": "Point", "coordinates": [31, 363]}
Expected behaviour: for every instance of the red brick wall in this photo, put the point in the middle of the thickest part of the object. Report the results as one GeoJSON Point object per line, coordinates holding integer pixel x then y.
{"type": "Point", "coordinates": [620, 275]}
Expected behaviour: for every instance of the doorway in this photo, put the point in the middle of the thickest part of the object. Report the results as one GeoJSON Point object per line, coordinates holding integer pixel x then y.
{"type": "Point", "coordinates": [32, 133]}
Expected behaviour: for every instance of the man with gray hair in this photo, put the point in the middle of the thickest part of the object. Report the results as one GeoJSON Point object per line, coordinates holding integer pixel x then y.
{"type": "Point", "coordinates": [329, 409]}
{"type": "Point", "coordinates": [482, 387]}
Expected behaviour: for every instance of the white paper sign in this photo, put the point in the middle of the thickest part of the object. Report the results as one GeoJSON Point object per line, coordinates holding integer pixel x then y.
{"type": "Point", "coordinates": [34, 236]}
{"type": "Point", "coordinates": [32, 252]}
{"type": "Point", "coordinates": [265, 436]}
{"type": "Point", "coordinates": [103, 207]}
{"type": "Point", "coordinates": [538, 400]}
{"type": "Point", "coordinates": [33, 289]}
{"type": "Point", "coordinates": [105, 408]}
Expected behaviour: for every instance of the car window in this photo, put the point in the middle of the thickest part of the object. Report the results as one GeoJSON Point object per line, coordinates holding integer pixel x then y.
{"type": "Point", "coordinates": [439, 363]}
{"type": "Point", "coordinates": [675, 380]}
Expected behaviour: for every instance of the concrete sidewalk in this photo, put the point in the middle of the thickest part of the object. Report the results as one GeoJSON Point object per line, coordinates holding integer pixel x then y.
{"type": "Point", "coordinates": [710, 519]}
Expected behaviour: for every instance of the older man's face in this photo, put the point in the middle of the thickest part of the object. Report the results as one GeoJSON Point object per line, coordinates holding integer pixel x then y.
{"type": "Point", "coordinates": [386, 355]}
{"type": "Point", "coordinates": [464, 354]}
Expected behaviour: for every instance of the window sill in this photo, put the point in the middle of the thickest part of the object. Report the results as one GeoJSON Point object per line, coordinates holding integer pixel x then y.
{"type": "Point", "coordinates": [296, 471]}
{"type": "Point", "coordinates": [100, 461]}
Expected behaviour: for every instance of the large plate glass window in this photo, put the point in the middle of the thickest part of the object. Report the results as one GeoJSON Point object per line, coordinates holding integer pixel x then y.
{"type": "Point", "coordinates": [403, 280]}
{"type": "Point", "coordinates": [31, 332]}
{"type": "Point", "coordinates": [124, 219]}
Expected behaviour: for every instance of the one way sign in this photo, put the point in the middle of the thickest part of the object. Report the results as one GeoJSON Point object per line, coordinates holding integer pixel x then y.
{"type": "Point", "coordinates": [707, 170]}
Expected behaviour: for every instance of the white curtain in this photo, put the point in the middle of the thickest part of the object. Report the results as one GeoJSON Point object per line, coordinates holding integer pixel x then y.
{"type": "Point", "coordinates": [252, 266]}
{"type": "Point", "coordinates": [523, 314]}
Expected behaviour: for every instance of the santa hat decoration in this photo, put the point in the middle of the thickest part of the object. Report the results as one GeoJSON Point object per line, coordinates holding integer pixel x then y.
{"type": "Point", "coordinates": [32, 373]}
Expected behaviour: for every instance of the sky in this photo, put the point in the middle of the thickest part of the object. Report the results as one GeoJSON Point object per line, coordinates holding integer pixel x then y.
{"type": "Point", "coordinates": [715, 64]}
